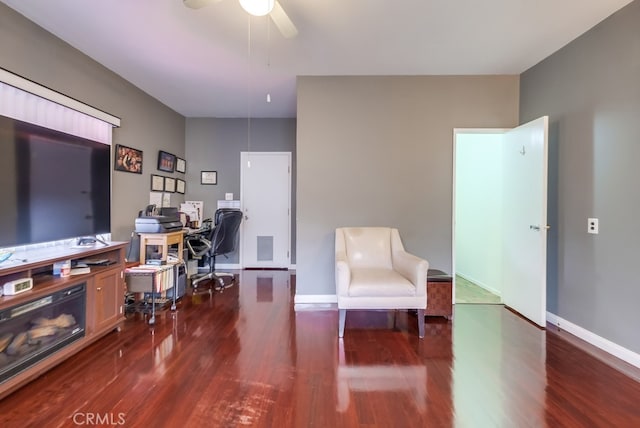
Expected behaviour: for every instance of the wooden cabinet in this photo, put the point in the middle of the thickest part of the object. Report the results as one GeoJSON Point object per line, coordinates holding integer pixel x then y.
{"type": "Point", "coordinates": [105, 301]}
{"type": "Point", "coordinates": [101, 303]}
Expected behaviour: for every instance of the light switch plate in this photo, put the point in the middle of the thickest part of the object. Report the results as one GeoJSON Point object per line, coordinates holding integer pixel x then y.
{"type": "Point", "coordinates": [592, 226]}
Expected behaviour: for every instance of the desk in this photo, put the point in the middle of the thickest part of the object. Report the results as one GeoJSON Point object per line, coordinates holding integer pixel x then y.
{"type": "Point", "coordinates": [163, 240]}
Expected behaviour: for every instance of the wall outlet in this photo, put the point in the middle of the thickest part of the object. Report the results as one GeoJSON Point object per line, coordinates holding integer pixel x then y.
{"type": "Point", "coordinates": [592, 225]}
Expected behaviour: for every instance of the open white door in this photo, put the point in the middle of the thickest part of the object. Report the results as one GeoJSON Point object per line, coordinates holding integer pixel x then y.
{"type": "Point", "coordinates": [525, 220]}
{"type": "Point", "coordinates": [266, 201]}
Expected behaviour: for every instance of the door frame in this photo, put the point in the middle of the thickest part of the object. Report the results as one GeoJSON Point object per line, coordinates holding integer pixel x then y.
{"type": "Point", "coordinates": [289, 185]}
{"type": "Point", "coordinates": [457, 131]}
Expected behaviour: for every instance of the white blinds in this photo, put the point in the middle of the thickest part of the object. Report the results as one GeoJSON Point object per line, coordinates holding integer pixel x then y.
{"type": "Point", "coordinates": [26, 106]}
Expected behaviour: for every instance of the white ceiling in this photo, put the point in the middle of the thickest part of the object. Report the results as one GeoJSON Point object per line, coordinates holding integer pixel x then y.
{"type": "Point", "coordinates": [198, 62]}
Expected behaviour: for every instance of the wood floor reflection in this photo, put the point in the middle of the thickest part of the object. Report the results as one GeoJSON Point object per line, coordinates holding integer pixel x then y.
{"type": "Point", "coordinates": [246, 358]}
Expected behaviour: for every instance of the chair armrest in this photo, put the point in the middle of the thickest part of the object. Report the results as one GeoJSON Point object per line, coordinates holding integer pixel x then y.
{"type": "Point", "coordinates": [343, 274]}
{"type": "Point", "coordinates": [413, 268]}
{"type": "Point", "coordinates": [198, 246]}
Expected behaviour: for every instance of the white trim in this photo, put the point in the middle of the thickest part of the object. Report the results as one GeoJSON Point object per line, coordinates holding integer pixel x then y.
{"type": "Point", "coordinates": [56, 97]}
{"type": "Point", "coordinates": [480, 284]}
{"type": "Point", "coordinates": [228, 266]}
{"type": "Point", "coordinates": [315, 298]}
{"type": "Point", "coordinates": [595, 340]}
{"type": "Point", "coordinates": [299, 307]}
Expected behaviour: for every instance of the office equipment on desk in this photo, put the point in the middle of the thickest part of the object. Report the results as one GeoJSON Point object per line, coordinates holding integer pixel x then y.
{"type": "Point", "coordinates": [190, 211]}
{"type": "Point", "coordinates": [221, 240]}
{"type": "Point", "coordinates": [169, 212]}
{"type": "Point", "coordinates": [195, 210]}
{"type": "Point", "coordinates": [157, 224]}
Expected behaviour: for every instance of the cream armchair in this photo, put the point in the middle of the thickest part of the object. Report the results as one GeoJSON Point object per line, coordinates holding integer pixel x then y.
{"type": "Point", "coordinates": [373, 271]}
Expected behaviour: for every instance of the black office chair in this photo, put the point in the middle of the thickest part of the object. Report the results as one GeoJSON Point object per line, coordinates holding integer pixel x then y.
{"type": "Point", "coordinates": [221, 239]}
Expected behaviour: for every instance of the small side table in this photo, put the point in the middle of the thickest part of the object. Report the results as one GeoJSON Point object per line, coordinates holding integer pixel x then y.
{"type": "Point", "coordinates": [439, 294]}
{"type": "Point", "coordinates": [163, 240]}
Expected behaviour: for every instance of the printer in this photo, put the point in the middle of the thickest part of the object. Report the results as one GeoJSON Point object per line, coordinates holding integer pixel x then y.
{"type": "Point", "coordinates": [158, 224]}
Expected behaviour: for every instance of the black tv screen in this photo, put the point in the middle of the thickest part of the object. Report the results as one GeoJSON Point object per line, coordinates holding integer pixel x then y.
{"type": "Point", "coordinates": [53, 185]}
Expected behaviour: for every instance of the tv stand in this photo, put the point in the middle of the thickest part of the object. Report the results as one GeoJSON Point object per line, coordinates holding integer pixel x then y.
{"type": "Point", "coordinates": [104, 301]}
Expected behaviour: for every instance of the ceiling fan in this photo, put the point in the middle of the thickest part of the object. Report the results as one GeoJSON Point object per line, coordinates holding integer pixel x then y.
{"type": "Point", "coordinates": [258, 8]}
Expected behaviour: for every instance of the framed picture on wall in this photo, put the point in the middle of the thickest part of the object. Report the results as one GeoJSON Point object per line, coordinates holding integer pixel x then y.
{"type": "Point", "coordinates": [181, 165]}
{"type": "Point", "coordinates": [180, 186]}
{"type": "Point", "coordinates": [209, 177]}
{"type": "Point", "coordinates": [169, 185]}
{"type": "Point", "coordinates": [128, 159]}
{"type": "Point", "coordinates": [166, 161]}
{"type": "Point", "coordinates": [157, 183]}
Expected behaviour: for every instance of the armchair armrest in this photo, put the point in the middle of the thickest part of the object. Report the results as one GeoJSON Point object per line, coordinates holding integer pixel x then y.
{"type": "Point", "coordinates": [413, 268]}
{"type": "Point", "coordinates": [343, 274]}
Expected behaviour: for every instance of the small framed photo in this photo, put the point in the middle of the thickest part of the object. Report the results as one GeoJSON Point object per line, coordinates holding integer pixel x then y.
{"type": "Point", "coordinates": [180, 186]}
{"type": "Point", "coordinates": [128, 159]}
{"type": "Point", "coordinates": [157, 183]}
{"type": "Point", "coordinates": [169, 185]}
{"type": "Point", "coordinates": [166, 161]}
{"type": "Point", "coordinates": [209, 177]}
{"type": "Point", "coordinates": [181, 165]}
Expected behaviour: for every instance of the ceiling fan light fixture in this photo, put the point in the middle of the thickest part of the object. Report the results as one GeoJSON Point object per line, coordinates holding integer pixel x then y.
{"type": "Point", "coordinates": [257, 7]}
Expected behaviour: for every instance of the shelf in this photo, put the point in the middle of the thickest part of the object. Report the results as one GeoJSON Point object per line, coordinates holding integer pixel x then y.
{"type": "Point", "coordinates": [39, 267]}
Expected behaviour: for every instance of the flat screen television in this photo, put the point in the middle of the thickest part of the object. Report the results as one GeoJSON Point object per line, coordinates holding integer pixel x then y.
{"type": "Point", "coordinates": [53, 186]}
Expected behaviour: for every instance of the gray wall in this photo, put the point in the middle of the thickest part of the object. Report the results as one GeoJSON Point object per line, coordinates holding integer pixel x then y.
{"type": "Point", "coordinates": [591, 91]}
{"type": "Point", "coordinates": [148, 125]}
{"type": "Point", "coordinates": [215, 145]}
{"type": "Point", "coordinates": [379, 151]}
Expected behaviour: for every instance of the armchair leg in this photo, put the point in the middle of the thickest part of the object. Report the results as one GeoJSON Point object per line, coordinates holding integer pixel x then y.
{"type": "Point", "coordinates": [343, 319]}
{"type": "Point", "coordinates": [421, 323]}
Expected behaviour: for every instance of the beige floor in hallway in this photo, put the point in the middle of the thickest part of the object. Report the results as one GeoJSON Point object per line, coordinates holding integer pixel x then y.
{"type": "Point", "coordinates": [468, 292]}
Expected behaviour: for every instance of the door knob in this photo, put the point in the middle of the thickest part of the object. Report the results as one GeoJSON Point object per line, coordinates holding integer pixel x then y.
{"type": "Point", "coordinates": [537, 228]}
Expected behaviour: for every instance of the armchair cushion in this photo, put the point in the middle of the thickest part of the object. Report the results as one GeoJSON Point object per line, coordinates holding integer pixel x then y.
{"type": "Point", "coordinates": [373, 271]}
{"type": "Point", "coordinates": [378, 282]}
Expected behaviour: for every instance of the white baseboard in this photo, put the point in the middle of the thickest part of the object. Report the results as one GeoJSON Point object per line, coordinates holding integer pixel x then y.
{"type": "Point", "coordinates": [228, 266]}
{"type": "Point", "coordinates": [595, 340]}
{"type": "Point", "coordinates": [315, 302]}
{"type": "Point", "coordinates": [480, 284]}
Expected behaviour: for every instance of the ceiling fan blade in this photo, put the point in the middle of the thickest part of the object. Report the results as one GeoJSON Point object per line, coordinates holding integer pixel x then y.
{"type": "Point", "coordinates": [282, 21]}
{"type": "Point", "coordinates": [197, 4]}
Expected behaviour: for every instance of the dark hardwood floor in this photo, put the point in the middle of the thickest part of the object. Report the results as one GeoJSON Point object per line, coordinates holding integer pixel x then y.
{"type": "Point", "coordinates": [246, 358]}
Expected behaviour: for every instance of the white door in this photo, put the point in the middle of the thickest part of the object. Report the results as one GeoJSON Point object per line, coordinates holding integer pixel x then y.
{"type": "Point", "coordinates": [525, 220]}
{"type": "Point", "coordinates": [266, 203]}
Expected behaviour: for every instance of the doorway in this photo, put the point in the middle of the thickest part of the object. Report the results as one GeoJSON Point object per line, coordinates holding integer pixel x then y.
{"type": "Point", "coordinates": [478, 215]}
{"type": "Point", "coordinates": [265, 198]}
{"type": "Point", "coordinates": [512, 243]}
